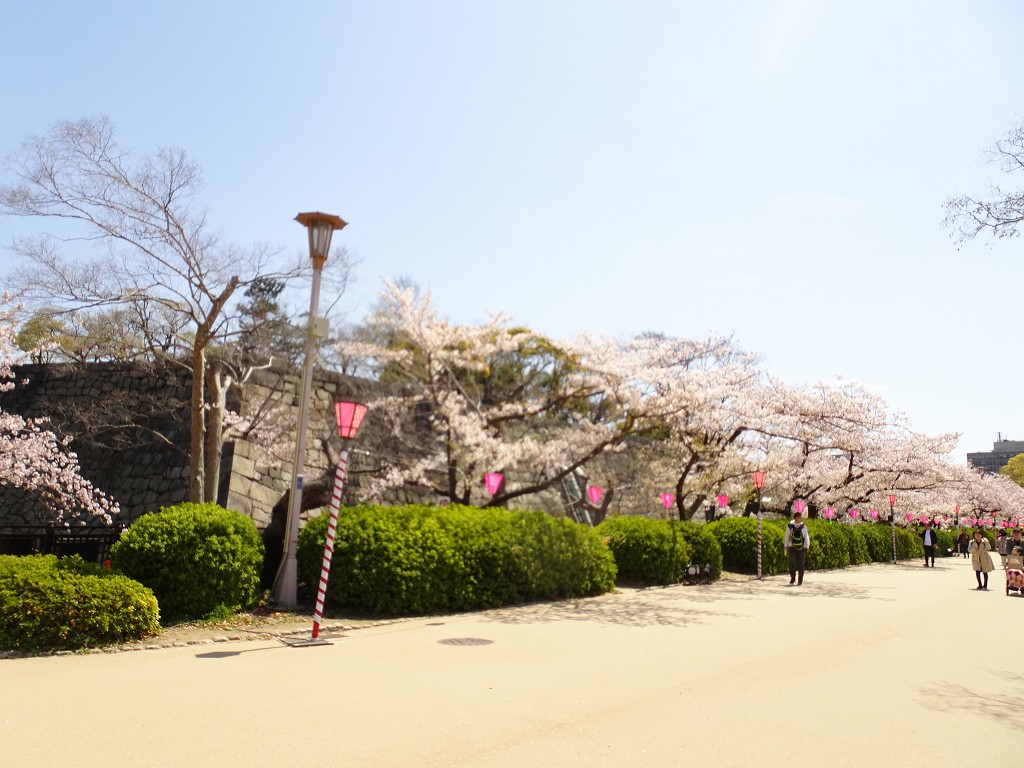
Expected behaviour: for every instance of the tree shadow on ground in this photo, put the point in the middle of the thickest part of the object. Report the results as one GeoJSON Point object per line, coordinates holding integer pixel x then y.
{"type": "Point", "coordinates": [955, 697]}
{"type": "Point", "coordinates": [746, 589]}
{"type": "Point", "coordinates": [636, 609]}
{"type": "Point", "coordinates": [677, 605]}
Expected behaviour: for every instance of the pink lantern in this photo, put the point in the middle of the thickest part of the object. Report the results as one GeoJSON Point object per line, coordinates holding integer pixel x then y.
{"type": "Point", "coordinates": [668, 499]}
{"type": "Point", "coordinates": [492, 481]}
{"type": "Point", "coordinates": [924, 518]}
{"type": "Point", "coordinates": [349, 417]}
{"type": "Point", "coordinates": [853, 514]}
{"type": "Point", "coordinates": [829, 513]}
{"type": "Point", "coordinates": [594, 493]}
{"type": "Point", "coordinates": [799, 507]}
{"type": "Point", "coordinates": [910, 518]}
{"type": "Point", "coordinates": [759, 479]}
{"type": "Point", "coordinates": [874, 514]}
{"type": "Point", "coordinates": [723, 501]}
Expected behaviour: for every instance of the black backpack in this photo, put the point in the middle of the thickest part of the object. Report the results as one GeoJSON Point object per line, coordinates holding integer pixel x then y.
{"type": "Point", "coordinates": [797, 539]}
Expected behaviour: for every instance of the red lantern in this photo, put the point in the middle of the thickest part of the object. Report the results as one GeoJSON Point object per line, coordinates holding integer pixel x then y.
{"type": "Point", "coordinates": [350, 417]}
{"type": "Point", "coordinates": [492, 481]}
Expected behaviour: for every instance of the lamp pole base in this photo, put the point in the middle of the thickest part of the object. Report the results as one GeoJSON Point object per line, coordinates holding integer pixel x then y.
{"type": "Point", "coordinates": [306, 642]}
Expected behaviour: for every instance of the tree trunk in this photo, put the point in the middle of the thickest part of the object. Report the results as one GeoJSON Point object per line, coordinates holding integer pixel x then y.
{"type": "Point", "coordinates": [218, 384]}
{"type": "Point", "coordinates": [198, 423]}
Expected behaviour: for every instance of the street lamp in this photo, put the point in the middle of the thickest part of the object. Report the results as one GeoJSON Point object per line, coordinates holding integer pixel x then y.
{"type": "Point", "coordinates": [891, 498]}
{"type": "Point", "coordinates": [759, 484]}
{"type": "Point", "coordinates": [321, 227]}
{"type": "Point", "coordinates": [349, 417]}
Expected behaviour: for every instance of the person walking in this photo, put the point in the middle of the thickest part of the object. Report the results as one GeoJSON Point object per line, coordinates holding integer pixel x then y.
{"type": "Point", "coordinates": [981, 561]}
{"type": "Point", "coordinates": [930, 539]}
{"type": "Point", "coordinates": [1001, 542]}
{"type": "Point", "coordinates": [1016, 539]}
{"type": "Point", "coordinates": [962, 542]}
{"type": "Point", "coordinates": [796, 543]}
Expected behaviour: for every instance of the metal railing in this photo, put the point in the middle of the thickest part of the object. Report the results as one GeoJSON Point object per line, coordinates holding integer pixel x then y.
{"type": "Point", "coordinates": [91, 543]}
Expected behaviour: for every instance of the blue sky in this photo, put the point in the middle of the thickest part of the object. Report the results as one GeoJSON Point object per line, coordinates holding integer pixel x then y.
{"type": "Point", "coordinates": [771, 169]}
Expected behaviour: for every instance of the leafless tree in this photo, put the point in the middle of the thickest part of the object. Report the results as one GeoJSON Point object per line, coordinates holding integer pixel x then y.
{"type": "Point", "coordinates": [1001, 211]}
{"type": "Point", "coordinates": [157, 254]}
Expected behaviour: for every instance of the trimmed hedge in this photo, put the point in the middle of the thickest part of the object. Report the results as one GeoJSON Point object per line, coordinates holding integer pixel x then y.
{"type": "Point", "coordinates": [67, 604]}
{"type": "Point", "coordinates": [705, 546]}
{"type": "Point", "coordinates": [646, 550]}
{"type": "Point", "coordinates": [419, 559]}
{"type": "Point", "coordinates": [200, 560]}
{"type": "Point", "coordinates": [834, 545]}
{"type": "Point", "coordinates": [737, 537]}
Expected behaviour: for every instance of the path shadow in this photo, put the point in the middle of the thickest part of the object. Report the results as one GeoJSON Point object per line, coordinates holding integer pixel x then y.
{"type": "Point", "coordinates": [678, 605]}
{"type": "Point", "coordinates": [634, 609]}
{"type": "Point", "coordinates": [955, 697]}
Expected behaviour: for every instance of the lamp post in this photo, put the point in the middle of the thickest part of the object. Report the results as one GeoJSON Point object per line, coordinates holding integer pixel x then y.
{"type": "Point", "coordinates": [956, 515]}
{"type": "Point", "coordinates": [349, 417]}
{"type": "Point", "coordinates": [891, 498]}
{"type": "Point", "coordinates": [320, 227]}
{"type": "Point", "coordinates": [759, 484]}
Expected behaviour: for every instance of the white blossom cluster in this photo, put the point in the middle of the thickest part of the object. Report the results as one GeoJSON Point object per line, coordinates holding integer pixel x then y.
{"type": "Point", "coordinates": [34, 459]}
{"type": "Point", "coordinates": [700, 416]}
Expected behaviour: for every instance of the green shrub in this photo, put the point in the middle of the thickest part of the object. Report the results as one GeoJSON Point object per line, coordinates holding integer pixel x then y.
{"type": "Point", "coordinates": [705, 546]}
{"type": "Point", "coordinates": [856, 545]}
{"type": "Point", "coordinates": [947, 543]}
{"type": "Point", "coordinates": [199, 559]}
{"type": "Point", "coordinates": [829, 547]}
{"type": "Point", "coordinates": [737, 536]}
{"type": "Point", "coordinates": [417, 560]}
{"type": "Point", "coordinates": [879, 541]}
{"type": "Point", "coordinates": [908, 544]}
{"type": "Point", "coordinates": [51, 604]}
{"type": "Point", "coordinates": [645, 550]}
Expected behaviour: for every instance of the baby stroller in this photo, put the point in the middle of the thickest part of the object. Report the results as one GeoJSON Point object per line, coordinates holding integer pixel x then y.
{"type": "Point", "coordinates": [1015, 581]}
{"type": "Point", "coordinates": [1015, 571]}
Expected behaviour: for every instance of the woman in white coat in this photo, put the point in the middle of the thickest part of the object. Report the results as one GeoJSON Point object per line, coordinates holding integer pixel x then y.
{"type": "Point", "coordinates": [981, 560]}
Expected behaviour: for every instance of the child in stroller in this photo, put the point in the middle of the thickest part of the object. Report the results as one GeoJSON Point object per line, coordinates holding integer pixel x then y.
{"type": "Point", "coordinates": [1015, 571]}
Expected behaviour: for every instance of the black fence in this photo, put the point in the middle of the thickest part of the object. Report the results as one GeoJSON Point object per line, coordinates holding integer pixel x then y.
{"type": "Point", "coordinates": [90, 543]}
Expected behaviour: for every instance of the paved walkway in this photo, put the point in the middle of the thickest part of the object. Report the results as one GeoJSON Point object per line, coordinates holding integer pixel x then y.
{"type": "Point", "coordinates": [872, 666]}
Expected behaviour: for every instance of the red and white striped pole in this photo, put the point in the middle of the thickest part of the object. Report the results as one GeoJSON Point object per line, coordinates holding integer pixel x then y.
{"type": "Point", "coordinates": [759, 484]}
{"type": "Point", "coordinates": [332, 527]}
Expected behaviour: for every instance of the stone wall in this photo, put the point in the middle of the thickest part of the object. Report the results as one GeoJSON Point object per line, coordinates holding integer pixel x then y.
{"type": "Point", "coordinates": [130, 425]}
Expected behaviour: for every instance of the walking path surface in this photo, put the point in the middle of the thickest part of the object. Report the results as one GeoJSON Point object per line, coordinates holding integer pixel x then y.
{"type": "Point", "coordinates": [876, 665]}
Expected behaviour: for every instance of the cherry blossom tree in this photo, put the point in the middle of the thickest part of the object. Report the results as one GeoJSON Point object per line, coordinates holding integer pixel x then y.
{"type": "Point", "coordinates": [492, 397]}
{"type": "Point", "coordinates": [35, 460]}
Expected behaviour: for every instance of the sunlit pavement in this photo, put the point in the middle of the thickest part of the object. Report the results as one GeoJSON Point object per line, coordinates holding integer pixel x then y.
{"type": "Point", "coordinates": [871, 666]}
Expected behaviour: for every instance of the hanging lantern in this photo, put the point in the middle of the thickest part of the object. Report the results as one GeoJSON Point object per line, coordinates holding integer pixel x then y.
{"type": "Point", "coordinates": [668, 499]}
{"type": "Point", "coordinates": [594, 493]}
{"type": "Point", "coordinates": [723, 500]}
{"type": "Point", "coordinates": [492, 481]}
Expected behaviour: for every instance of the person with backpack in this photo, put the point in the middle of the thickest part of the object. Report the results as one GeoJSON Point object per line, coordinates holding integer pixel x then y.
{"type": "Point", "coordinates": [796, 543]}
